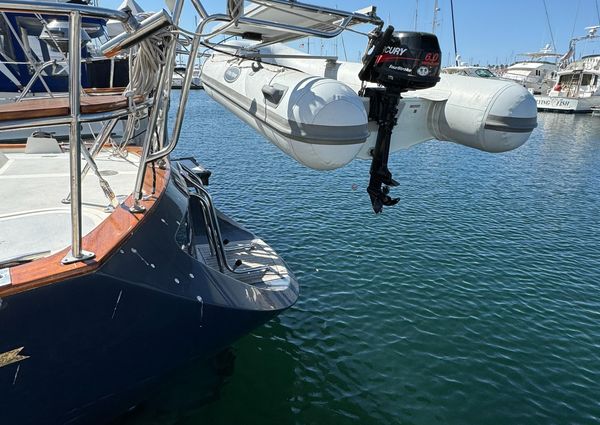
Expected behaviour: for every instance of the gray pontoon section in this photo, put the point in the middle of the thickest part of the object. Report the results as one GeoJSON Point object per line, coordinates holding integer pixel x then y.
{"type": "Point", "coordinates": [303, 132]}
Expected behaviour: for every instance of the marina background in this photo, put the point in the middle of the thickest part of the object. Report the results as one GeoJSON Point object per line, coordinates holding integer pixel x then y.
{"type": "Point", "coordinates": [475, 300]}
{"type": "Point", "coordinates": [487, 32]}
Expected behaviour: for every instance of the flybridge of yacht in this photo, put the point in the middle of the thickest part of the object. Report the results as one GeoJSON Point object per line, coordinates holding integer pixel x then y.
{"type": "Point", "coordinates": [587, 62]}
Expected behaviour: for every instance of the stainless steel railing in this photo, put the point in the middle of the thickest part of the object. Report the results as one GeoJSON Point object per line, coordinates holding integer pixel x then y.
{"type": "Point", "coordinates": [157, 144]}
{"type": "Point", "coordinates": [75, 13]}
{"type": "Point", "coordinates": [27, 6]}
{"type": "Point", "coordinates": [213, 230]}
{"type": "Point", "coordinates": [148, 156]}
{"type": "Point", "coordinates": [77, 253]}
{"type": "Point", "coordinates": [34, 77]}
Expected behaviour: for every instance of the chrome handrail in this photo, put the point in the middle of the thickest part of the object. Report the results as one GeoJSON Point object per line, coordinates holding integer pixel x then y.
{"type": "Point", "coordinates": [146, 148]}
{"type": "Point", "coordinates": [213, 229]}
{"type": "Point", "coordinates": [162, 97]}
{"type": "Point", "coordinates": [34, 77]}
{"type": "Point", "coordinates": [27, 6]}
{"type": "Point", "coordinates": [157, 142]}
{"type": "Point", "coordinates": [76, 253]}
{"type": "Point", "coordinates": [95, 149]}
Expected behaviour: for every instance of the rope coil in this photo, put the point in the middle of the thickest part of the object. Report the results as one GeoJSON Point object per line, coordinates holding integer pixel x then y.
{"type": "Point", "coordinates": [148, 61]}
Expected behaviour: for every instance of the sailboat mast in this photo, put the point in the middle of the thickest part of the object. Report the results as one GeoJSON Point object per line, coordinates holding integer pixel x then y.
{"type": "Point", "coordinates": [436, 9]}
{"type": "Point", "coordinates": [549, 26]}
{"type": "Point", "coordinates": [454, 32]}
{"type": "Point", "coordinates": [416, 13]}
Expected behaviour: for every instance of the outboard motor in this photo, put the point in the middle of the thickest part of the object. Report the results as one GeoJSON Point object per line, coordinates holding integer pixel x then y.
{"type": "Point", "coordinates": [398, 62]}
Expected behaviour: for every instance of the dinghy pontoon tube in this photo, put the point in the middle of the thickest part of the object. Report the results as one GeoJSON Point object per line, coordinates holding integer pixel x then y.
{"type": "Point", "coordinates": [320, 122]}
{"type": "Point", "coordinates": [490, 115]}
{"type": "Point", "coordinates": [293, 100]}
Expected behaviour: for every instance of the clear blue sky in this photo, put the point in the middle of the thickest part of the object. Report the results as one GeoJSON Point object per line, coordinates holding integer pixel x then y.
{"type": "Point", "coordinates": [487, 31]}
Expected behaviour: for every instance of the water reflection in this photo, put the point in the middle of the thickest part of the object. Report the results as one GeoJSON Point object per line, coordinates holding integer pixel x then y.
{"type": "Point", "coordinates": [474, 300]}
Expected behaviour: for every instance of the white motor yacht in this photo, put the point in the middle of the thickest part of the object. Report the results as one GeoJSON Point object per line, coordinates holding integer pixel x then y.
{"type": "Point", "coordinates": [537, 72]}
{"type": "Point", "coordinates": [576, 87]}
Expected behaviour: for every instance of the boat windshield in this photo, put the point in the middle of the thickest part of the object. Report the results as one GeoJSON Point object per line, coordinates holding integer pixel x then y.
{"type": "Point", "coordinates": [485, 73]}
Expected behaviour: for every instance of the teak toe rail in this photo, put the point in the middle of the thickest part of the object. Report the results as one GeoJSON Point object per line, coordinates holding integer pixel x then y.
{"type": "Point", "coordinates": [59, 107]}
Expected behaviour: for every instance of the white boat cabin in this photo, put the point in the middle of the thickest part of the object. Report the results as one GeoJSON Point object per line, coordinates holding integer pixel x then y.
{"type": "Point", "coordinates": [579, 80]}
{"type": "Point", "coordinates": [536, 72]}
{"type": "Point", "coordinates": [536, 76]}
{"type": "Point", "coordinates": [577, 88]}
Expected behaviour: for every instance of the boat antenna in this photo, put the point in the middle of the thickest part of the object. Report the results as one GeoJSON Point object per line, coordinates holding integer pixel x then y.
{"type": "Point", "coordinates": [549, 26]}
{"type": "Point", "coordinates": [454, 31]}
{"type": "Point", "coordinates": [576, 15]}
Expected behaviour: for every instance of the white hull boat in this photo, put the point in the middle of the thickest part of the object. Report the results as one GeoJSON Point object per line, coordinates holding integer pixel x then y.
{"type": "Point", "coordinates": [179, 76]}
{"type": "Point", "coordinates": [577, 89]}
{"type": "Point", "coordinates": [577, 85]}
{"type": "Point", "coordinates": [537, 73]}
{"type": "Point", "coordinates": [568, 105]}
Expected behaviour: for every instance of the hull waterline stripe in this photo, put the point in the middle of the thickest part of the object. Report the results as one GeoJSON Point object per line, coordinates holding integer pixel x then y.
{"type": "Point", "coordinates": [510, 124]}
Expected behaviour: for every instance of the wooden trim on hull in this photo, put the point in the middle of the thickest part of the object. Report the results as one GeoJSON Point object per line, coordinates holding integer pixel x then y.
{"type": "Point", "coordinates": [59, 107]}
{"type": "Point", "coordinates": [104, 240]}
{"type": "Point", "coordinates": [105, 90]}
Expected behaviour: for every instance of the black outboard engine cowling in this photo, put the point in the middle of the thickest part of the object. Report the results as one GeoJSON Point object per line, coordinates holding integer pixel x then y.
{"type": "Point", "coordinates": [410, 60]}
{"type": "Point", "coordinates": [398, 62]}
{"type": "Point", "coordinates": [404, 60]}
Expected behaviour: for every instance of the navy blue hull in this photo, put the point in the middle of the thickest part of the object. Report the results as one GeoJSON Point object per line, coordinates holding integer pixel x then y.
{"type": "Point", "coordinates": [97, 344]}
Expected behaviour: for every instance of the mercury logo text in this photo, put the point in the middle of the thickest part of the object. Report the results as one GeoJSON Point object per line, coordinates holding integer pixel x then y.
{"type": "Point", "coordinates": [399, 51]}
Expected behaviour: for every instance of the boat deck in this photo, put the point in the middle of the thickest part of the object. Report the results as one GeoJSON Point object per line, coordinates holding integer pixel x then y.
{"type": "Point", "coordinates": [36, 223]}
{"type": "Point", "coordinates": [253, 253]}
{"type": "Point", "coordinates": [33, 218]}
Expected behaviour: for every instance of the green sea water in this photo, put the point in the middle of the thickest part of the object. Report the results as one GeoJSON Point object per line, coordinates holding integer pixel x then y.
{"type": "Point", "coordinates": [475, 300]}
